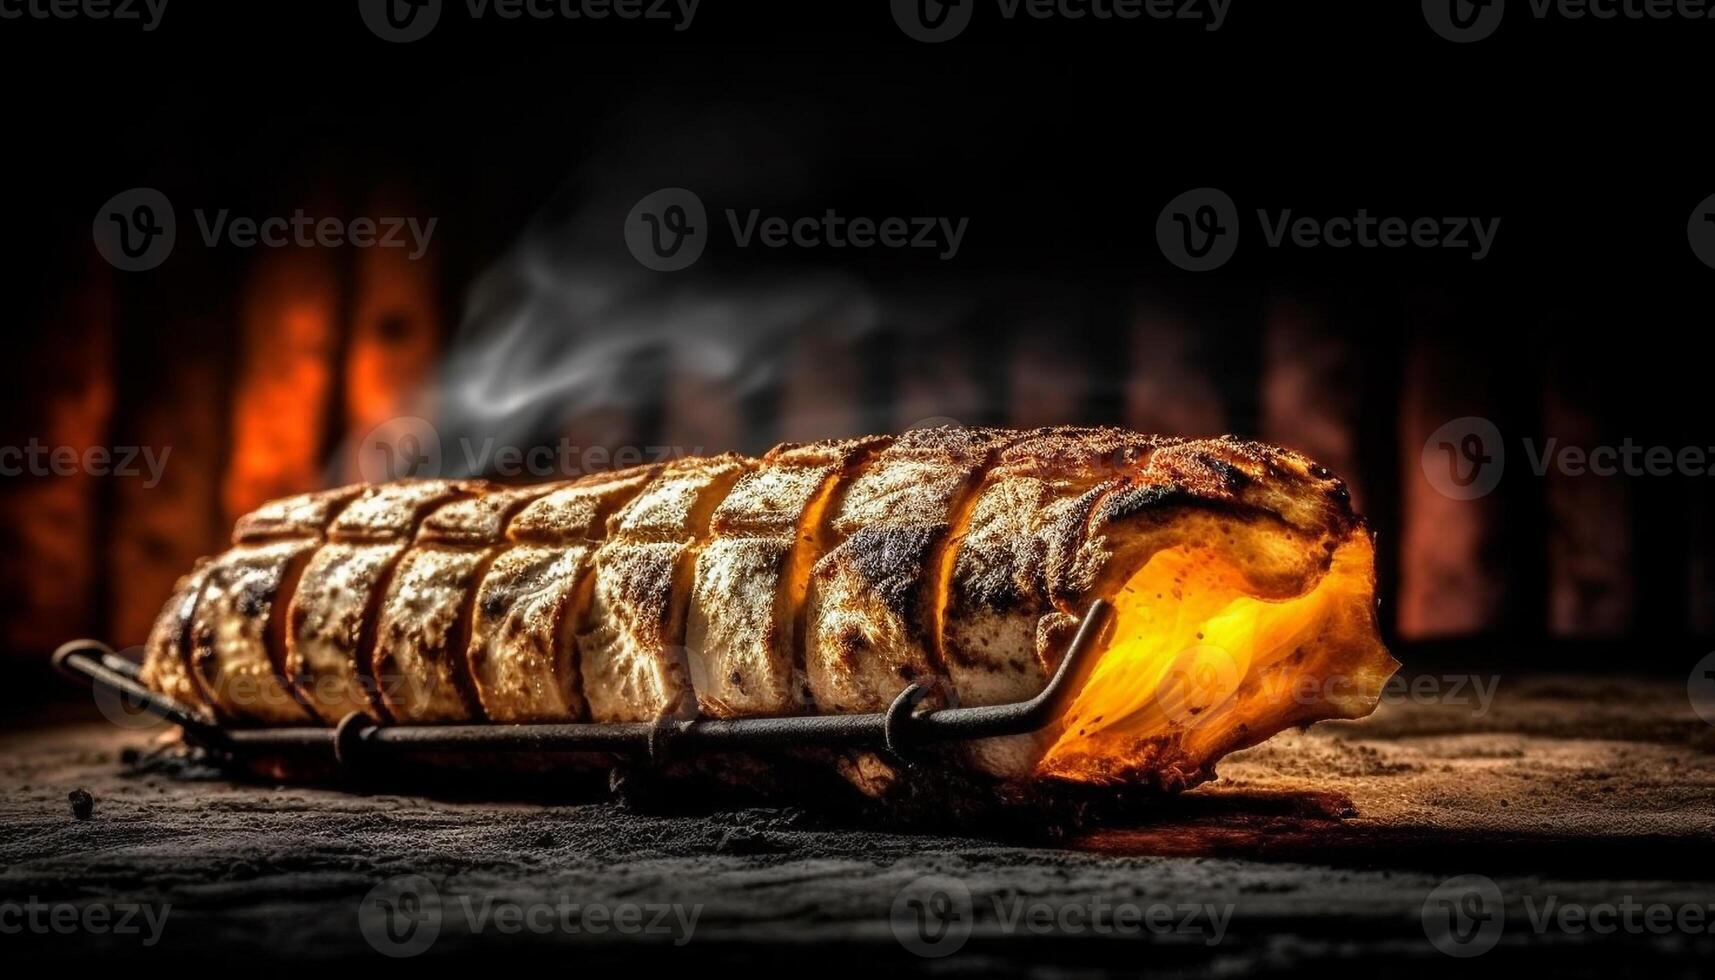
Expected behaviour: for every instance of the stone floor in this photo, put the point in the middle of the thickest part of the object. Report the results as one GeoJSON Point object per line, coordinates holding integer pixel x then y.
{"type": "Point", "coordinates": [1583, 804]}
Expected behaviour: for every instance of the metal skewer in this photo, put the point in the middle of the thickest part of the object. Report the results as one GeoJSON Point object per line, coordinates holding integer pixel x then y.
{"type": "Point", "coordinates": [359, 739]}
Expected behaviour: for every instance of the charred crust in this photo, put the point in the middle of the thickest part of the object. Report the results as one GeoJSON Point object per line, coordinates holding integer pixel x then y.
{"type": "Point", "coordinates": [960, 445]}
{"type": "Point", "coordinates": [892, 561]}
{"type": "Point", "coordinates": [1054, 634]}
{"type": "Point", "coordinates": [1136, 500]}
{"type": "Point", "coordinates": [851, 645]}
{"type": "Point", "coordinates": [992, 581]}
{"type": "Point", "coordinates": [1233, 479]}
{"type": "Point", "coordinates": [1117, 475]}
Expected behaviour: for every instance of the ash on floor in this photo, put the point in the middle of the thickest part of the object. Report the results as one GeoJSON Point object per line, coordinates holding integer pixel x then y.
{"type": "Point", "coordinates": [1586, 806]}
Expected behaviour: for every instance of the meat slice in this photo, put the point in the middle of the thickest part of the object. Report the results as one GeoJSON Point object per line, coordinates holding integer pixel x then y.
{"type": "Point", "coordinates": [330, 639]}
{"type": "Point", "coordinates": [306, 515]}
{"type": "Point", "coordinates": [633, 648]}
{"type": "Point", "coordinates": [419, 639]}
{"type": "Point", "coordinates": [393, 511]}
{"type": "Point", "coordinates": [330, 629]}
{"type": "Point", "coordinates": [1003, 635]}
{"type": "Point", "coordinates": [1031, 509]}
{"type": "Point", "coordinates": [238, 626]}
{"type": "Point", "coordinates": [874, 599]}
{"type": "Point", "coordinates": [481, 519]}
{"type": "Point", "coordinates": [523, 650]}
{"type": "Point", "coordinates": [166, 659]}
{"type": "Point", "coordinates": [423, 632]}
{"type": "Point", "coordinates": [742, 637]}
{"type": "Point", "coordinates": [1244, 594]}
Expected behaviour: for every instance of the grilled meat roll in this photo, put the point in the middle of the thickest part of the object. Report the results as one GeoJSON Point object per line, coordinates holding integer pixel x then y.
{"type": "Point", "coordinates": [818, 578]}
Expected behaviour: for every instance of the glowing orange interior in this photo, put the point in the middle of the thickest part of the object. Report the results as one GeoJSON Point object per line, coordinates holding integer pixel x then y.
{"type": "Point", "coordinates": [1196, 666]}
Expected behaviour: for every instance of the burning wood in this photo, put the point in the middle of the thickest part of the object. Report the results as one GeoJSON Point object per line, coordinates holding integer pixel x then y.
{"type": "Point", "coordinates": [821, 578]}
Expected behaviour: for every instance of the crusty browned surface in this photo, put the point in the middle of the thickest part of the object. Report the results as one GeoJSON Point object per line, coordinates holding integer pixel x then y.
{"type": "Point", "coordinates": [421, 633]}
{"type": "Point", "coordinates": [166, 664]}
{"type": "Point", "coordinates": [522, 656]}
{"type": "Point", "coordinates": [873, 598]}
{"type": "Point", "coordinates": [305, 515]}
{"type": "Point", "coordinates": [481, 520]}
{"type": "Point", "coordinates": [825, 577]}
{"type": "Point", "coordinates": [394, 511]}
{"type": "Point", "coordinates": [632, 656]}
{"type": "Point", "coordinates": [580, 511]}
{"type": "Point", "coordinates": [520, 651]}
{"type": "Point", "coordinates": [242, 602]}
{"type": "Point", "coordinates": [330, 639]}
{"type": "Point", "coordinates": [1326, 844]}
{"type": "Point", "coordinates": [748, 604]}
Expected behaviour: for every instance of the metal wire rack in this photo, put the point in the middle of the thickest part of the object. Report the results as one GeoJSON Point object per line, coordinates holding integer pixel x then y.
{"type": "Point", "coordinates": [359, 740]}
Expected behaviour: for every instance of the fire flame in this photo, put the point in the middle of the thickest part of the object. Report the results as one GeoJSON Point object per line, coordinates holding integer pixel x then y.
{"type": "Point", "coordinates": [1198, 667]}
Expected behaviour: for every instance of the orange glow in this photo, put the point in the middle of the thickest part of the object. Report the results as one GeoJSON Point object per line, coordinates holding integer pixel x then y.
{"type": "Point", "coordinates": [1450, 583]}
{"type": "Point", "coordinates": [279, 412]}
{"type": "Point", "coordinates": [52, 524]}
{"type": "Point", "coordinates": [1196, 667]}
{"type": "Point", "coordinates": [395, 338]}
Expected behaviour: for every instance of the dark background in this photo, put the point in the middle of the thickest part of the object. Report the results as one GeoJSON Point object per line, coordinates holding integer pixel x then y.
{"type": "Point", "coordinates": [1061, 141]}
